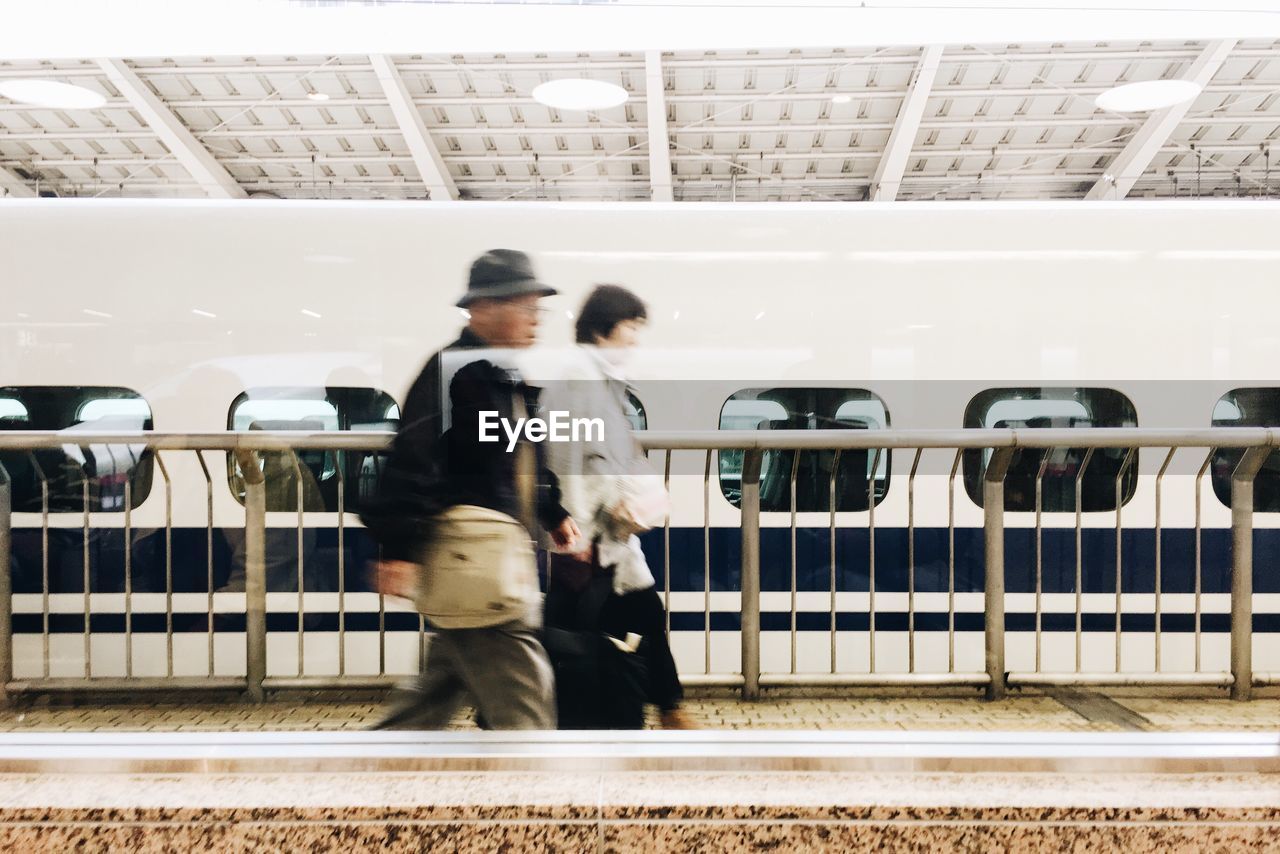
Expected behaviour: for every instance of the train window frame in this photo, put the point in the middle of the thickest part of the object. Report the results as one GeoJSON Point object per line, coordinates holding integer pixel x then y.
{"type": "Point", "coordinates": [319, 469]}
{"type": "Point", "coordinates": [1095, 402]}
{"type": "Point", "coordinates": [1266, 485]}
{"type": "Point", "coordinates": [116, 469]}
{"type": "Point", "coordinates": [815, 496]}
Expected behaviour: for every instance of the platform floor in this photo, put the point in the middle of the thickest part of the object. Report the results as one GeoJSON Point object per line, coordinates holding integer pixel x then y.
{"type": "Point", "coordinates": [1064, 710]}
{"type": "Point", "coordinates": [652, 792]}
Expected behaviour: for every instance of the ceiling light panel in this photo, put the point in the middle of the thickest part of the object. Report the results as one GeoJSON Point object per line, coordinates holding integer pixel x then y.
{"type": "Point", "coordinates": [1147, 96]}
{"type": "Point", "coordinates": [51, 94]}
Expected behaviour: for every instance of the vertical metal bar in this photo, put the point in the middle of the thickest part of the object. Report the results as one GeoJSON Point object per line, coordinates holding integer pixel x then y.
{"type": "Point", "coordinates": [1088, 455]}
{"type": "Point", "coordinates": [1159, 554]}
{"type": "Point", "coordinates": [342, 568]}
{"type": "Point", "coordinates": [168, 564]}
{"type": "Point", "coordinates": [1124, 468]}
{"type": "Point", "coordinates": [750, 503]}
{"type": "Point", "coordinates": [993, 587]}
{"type": "Point", "coordinates": [84, 497]}
{"type": "Point", "coordinates": [208, 555]}
{"type": "Point", "coordinates": [951, 564]}
{"type": "Point", "coordinates": [871, 560]}
{"type": "Point", "coordinates": [255, 570]}
{"type": "Point", "coordinates": [706, 563]}
{"type": "Point", "coordinates": [382, 598]}
{"type": "Point", "coordinates": [911, 562]}
{"type": "Point", "coordinates": [1242, 571]}
{"type": "Point", "coordinates": [44, 560]}
{"type": "Point", "coordinates": [382, 627]}
{"type": "Point", "coordinates": [128, 567]}
{"type": "Point", "coordinates": [1199, 576]}
{"type": "Point", "coordinates": [666, 548]}
{"type": "Point", "coordinates": [835, 468]}
{"type": "Point", "coordinates": [795, 472]}
{"type": "Point", "coordinates": [6, 584]}
{"type": "Point", "coordinates": [297, 474]}
{"type": "Point", "coordinates": [1044, 464]}
{"type": "Point", "coordinates": [422, 642]}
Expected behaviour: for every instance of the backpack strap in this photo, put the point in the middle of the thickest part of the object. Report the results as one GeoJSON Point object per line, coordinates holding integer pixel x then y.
{"type": "Point", "coordinates": [526, 473]}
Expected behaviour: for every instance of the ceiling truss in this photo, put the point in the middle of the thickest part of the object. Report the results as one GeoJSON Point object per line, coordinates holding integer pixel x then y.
{"type": "Point", "coordinates": [940, 122]}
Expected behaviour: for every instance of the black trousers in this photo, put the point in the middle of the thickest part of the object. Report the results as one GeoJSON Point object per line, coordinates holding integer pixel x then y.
{"type": "Point", "coordinates": [639, 611]}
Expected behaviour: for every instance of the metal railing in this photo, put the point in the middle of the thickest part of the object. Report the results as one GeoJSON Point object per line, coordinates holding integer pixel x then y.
{"type": "Point", "coordinates": [248, 448]}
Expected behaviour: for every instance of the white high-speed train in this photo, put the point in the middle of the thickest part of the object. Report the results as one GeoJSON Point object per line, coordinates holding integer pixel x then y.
{"type": "Point", "coordinates": [201, 316]}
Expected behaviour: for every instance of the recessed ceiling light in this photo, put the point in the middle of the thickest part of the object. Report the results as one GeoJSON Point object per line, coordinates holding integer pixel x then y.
{"type": "Point", "coordinates": [575, 93]}
{"type": "Point", "coordinates": [841, 99]}
{"type": "Point", "coordinates": [1147, 95]}
{"type": "Point", "coordinates": [317, 96]}
{"type": "Point", "coordinates": [51, 94]}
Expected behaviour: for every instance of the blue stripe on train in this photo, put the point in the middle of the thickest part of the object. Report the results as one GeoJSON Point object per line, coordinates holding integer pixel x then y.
{"type": "Point", "coordinates": [681, 621]}
{"type": "Point", "coordinates": [357, 621]}
{"type": "Point", "coordinates": [106, 553]}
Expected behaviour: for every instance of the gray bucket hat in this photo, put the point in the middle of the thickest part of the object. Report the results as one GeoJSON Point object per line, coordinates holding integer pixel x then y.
{"type": "Point", "coordinates": [502, 274]}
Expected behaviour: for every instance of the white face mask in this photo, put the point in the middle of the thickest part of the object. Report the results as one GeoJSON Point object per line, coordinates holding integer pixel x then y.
{"type": "Point", "coordinates": [619, 357]}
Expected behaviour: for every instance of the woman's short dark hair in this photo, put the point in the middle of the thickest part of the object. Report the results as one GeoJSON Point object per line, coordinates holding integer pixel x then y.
{"type": "Point", "coordinates": [605, 308]}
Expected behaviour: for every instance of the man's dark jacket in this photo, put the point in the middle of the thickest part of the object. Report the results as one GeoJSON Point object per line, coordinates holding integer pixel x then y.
{"type": "Point", "coordinates": [432, 469]}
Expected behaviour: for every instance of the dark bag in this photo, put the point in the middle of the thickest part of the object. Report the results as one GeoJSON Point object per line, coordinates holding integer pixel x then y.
{"type": "Point", "coordinates": [598, 684]}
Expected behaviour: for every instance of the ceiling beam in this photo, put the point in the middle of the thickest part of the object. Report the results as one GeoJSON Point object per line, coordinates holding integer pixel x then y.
{"type": "Point", "coordinates": [1260, 119]}
{"type": "Point", "coordinates": [659, 139]}
{"type": "Point", "coordinates": [1123, 172]}
{"type": "Point", "coordinates": [414, 130]}
{"type": "Point", "coordinates": [182, 144]}
{"type": "Point", "coordinates": [13, 187]}
{"type": "Point", "coordinates": [888, 175]}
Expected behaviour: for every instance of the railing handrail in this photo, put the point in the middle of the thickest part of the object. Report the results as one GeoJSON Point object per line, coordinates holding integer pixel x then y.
{"type": "Point", "coordinates": [694, 440]}
{"type": "Point", "coordinates": [1258, 443]}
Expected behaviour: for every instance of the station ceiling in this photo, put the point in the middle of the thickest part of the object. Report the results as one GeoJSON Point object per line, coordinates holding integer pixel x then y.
{"type": "Point", "coordinates": [1009, 121]}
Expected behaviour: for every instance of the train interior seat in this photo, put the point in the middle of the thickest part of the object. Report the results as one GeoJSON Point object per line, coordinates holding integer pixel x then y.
{"type": "Point", "coordinates": [813, 473]}
{"type": "Point", "coordinates": [364, 467]}
{"type": "Point", "coordinates": [282, 477]}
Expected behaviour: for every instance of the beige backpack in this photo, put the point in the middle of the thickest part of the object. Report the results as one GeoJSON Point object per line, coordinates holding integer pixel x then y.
{"type": "Point", "coordinates": [479, 568]}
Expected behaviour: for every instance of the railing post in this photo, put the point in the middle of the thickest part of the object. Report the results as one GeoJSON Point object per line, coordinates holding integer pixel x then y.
{"type": "Point", "coordinates": [255, 571]}
{"type": "Point", "coordinates": [993, 536]}
{"type": "Point", "coordinates": [1242, 571]}
{"type": "Point", "coordinates": [6, 584]}
{"type": "Point", "coordinates": [750, 504]}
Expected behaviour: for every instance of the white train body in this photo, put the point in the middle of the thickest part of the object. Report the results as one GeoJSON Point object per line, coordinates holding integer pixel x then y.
{"type": "Point", "coordinates": [190, 303]}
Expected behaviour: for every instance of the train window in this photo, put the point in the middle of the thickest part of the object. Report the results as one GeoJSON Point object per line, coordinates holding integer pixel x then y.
{"type": "Point", "coordinates": [314, 410]}
{"type": "Point", "coordinates": [115, 408]}
{"type": "Point", "coordinates": [635, 412]}
{"type": "Point", "coordinates": [13, 409]}
{"type": "Point", "coordinates": [1248, 407]}
{"type": "Point", "coordinates": [807, 409]}
{"type": "Point", "coordinates": [104, 472]}
{"type": "Point", "coordinates": [1032, 408]}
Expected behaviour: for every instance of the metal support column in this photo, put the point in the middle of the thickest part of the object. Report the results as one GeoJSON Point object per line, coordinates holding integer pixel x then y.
{"type": "Point", "coordinates": [1242, 571]}
{"type": "Point", "coordinates": [993, 535]}
{"type": "Point", "coordinates": [6, 585]}
{"type": "Point", "coordinates": [255, 571]}
{"type": "Point", "coordinates": [751, 574]}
